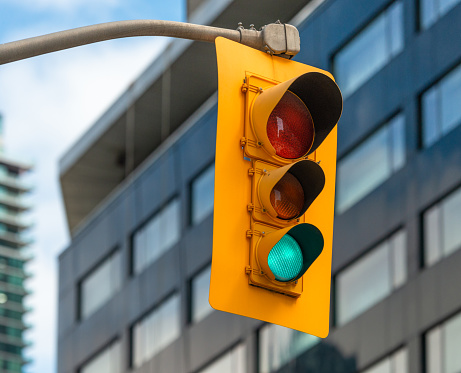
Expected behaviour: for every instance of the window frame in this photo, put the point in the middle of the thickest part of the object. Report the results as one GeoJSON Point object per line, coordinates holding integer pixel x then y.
{"type": "Point", "coordinates": [361, 141]}
{"type": "Point", "coordinates": [202, 170]}
{"type": "Point", "coordinates": [356, 32]}
{"type": "Point", "coordinates": [190, 319]}
{"type": "Point", "coordinates": [389, 355]}
{"type": "Point", "coordinates": [437, 202]}
{"type": "Point", "coordinates": [438, 324]}
{"type": "Point", "coordinates": [112, 341]}
{"type": "Point", "coordinates": [354, 260]}
{"type": "Point", "coordinates": [79, 316]}
{"type": "Point", "coordinates": [155, 307]}
{"type": "Point", "coordinates": [143, 224]}
{"type": "Point", "coordinates": [220, 355]}
{"type": "Point", "coordinates": [420, 117]}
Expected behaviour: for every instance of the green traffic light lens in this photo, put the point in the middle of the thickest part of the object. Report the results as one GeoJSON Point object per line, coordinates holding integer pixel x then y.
{"type": "Point", "coordinates": [285, 259]}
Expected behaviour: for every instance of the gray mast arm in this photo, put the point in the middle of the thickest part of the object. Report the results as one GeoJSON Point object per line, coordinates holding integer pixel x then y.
{"type": "Point", "coordinates": [275, 38]}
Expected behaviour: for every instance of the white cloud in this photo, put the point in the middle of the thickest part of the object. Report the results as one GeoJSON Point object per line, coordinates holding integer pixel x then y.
{"type": "Point", "coordinates": [47, 103]}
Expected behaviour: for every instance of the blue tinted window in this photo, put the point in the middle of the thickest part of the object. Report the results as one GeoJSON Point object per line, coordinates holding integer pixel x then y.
{"type": "Point", "coordinates": [202, 199]}
{"type": "Point", "coordinates": [157, 236]}
{"type": "Point", "coordinates": [371, 163]}
{"type": "Point", "coordinates": [440, 108]}
{"type": "Point", "coordinates": [442, 235]}
{"type": "Point", "coordinates": [432, 10]}
{"type": "Point", "coordinates": [370, 50]}
{"type": "Point", "coordinates": [371, 278]}
{"type": "Point", "coordinates": [200, 288]}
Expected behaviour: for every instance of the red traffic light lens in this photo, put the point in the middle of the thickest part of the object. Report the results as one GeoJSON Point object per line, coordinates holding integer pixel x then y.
{"type": "Point", "coordinates": [290, 128]}
{"type": "Point", "coordinates": [287, 197]}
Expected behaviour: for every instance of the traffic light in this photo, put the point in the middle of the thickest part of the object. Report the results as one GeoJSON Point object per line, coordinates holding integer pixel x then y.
{"type": "Point", "coordinates": [274, 188]}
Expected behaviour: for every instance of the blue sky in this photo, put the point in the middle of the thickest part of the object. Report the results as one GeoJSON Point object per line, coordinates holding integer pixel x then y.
{"type": "Point", "coordinates": [47, 103]}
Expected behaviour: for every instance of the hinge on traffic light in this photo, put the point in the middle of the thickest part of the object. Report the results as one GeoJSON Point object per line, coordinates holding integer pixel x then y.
{"type": "Point", "coordinates": [251, 171]}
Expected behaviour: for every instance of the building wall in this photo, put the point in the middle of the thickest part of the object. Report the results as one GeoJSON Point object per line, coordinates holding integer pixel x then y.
{"type": "Point", "coordinates": [401, 319]}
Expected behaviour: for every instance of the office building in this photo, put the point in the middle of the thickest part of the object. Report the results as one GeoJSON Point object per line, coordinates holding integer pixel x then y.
{"type": "Point", "coordinates": [138, 191]}
{"type": "Point", "coordinates": [14, 255]}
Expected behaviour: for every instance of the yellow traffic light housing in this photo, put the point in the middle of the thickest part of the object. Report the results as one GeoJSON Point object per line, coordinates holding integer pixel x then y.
{"type": "Point", "coordinates": [274, 189]}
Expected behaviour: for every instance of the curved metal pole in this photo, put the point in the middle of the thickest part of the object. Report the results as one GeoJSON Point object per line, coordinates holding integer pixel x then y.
{"type": "Point", "coordinates": [36, 46]}
{"type": "Point", "coordinates": [275, 38]}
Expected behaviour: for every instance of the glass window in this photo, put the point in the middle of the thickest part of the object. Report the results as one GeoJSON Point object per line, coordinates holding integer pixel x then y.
{"type": "Point", "coordinates": [371, 278]}
{"type": "Point", "coordinates": [371, 163]}
{"type": "Point", "coordinates": [370, 50]}
{"type": "Point", "coordinates": [432, 10]}
{"type": "Point", "coordinates": [107, 361]}
{"type": "Point", "coordinates": [200, 288]}
{"type": "Point", "coordinates": [441, 228]}
{"type": "Point", "coordinates": [442, 347]}
{"type": "Point", "coordinates": [279, 345]}
{"type": "Point", "coordinates": [395, 363]}
{"type": "Point", "coordinates": [233, 361]}
{"type": "Point", "coordinates": [157, 236]}
{"type": "Point", "coordinates": [440, 109]}
{"type": "Point", "coordinates": [100, 285]}
{"type": "Point", "coordinates": [156, 330]}
{"type": "Point", "coordinates": [202, 198]}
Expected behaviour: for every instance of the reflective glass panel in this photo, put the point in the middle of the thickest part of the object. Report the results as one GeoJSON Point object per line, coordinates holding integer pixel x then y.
{"type": "Point", "coordinates": [156, 330]}
{"type": "Point", "coordinates": [440, 109]}
{"type": "Point", "coordinates": [279, 345]}
{"type": "Point", "coordinates": [399, 258]}
{"type": "Point", "coordinates": [451, 220]}
{"type": "Point", "coordinates": [100, 285]}
{"type": "Point", "coordinates": [442, 347]}
{"type": "Point", "coordinates": [400, 361]}
{"type": "Point", "coordinates": [157, 236]}
{"type": "Point", "coordinates": [451, 343]}
{"type": "Point", "coordinates": [202, 199]}
{"type": "Point", "coordinates": [108, 361]}
{"type": "Point", "coordinates": [395, 363]}
{"type": "Point", "coordinates": [394, 21]}
{"type": "Point", "coordinates": [450, 93]}
{"type": "Point", "coordinates": [370, 163]}
{"type": "Point", "coordinates": [371, 278]}
{"type": "Point", "coordinates": [397, 134]}
{"type": "Point", "coordinates": [200, 288]}
{"type": "Point", "coordinates": [428, 12]}
{"type": "Point", "coordinates": [434, 350]}
{"type": "Point", "coordinates": [233, 361]}
{"type": "Point", "coordinates": [430, 116]}
{"type": "Point", "coordinates": [432, 10]}
{"type": "Point", "coordinates": [364, 283]}
{"type": "Point", "coordinates": [442, 235]}
{"type": "Point", "coordinates": [370, 50]}
{"type": "Point", "coordinates": [432, 236]}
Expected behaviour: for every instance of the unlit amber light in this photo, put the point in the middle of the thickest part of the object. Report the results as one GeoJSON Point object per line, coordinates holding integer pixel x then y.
{"type": "Point", "coordinates": [287, 197]}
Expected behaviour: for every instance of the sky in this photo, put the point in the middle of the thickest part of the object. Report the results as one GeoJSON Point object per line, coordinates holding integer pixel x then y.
{"type": "Point", "coordinates": [47, 103]}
